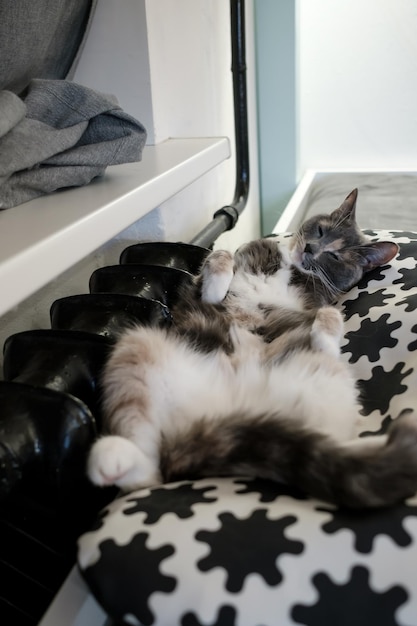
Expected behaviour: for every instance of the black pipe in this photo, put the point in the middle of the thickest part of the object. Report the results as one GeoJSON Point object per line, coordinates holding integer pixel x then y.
{"type": "Point", "coordinates": [226, 217]}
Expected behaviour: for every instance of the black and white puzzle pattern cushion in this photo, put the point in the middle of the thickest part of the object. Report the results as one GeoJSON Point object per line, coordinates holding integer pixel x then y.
{"type": "Point", "coordinates": [241, 552]}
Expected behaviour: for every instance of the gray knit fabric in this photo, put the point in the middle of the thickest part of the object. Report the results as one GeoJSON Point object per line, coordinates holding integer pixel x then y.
{"type": "Point", "coordinates": [54, 133]}
{"type": "Point", "coordinates": [61, 135]}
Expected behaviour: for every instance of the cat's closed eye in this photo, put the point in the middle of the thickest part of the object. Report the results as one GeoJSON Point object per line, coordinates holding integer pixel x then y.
{"type": "Point", "coordinates": [334, 255]}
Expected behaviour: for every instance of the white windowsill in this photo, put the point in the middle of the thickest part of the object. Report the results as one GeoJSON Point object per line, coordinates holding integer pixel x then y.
{"type": "Point", "coordinates": [42, 238]}
{"type": "Point", "coordinates": [294, 213]}
{"type": "Point", "coordinates": [74, 605]}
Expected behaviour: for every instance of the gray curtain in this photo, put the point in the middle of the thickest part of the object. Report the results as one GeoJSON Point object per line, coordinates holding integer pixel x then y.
{"type": "Point", "coordinates": [40, 39]}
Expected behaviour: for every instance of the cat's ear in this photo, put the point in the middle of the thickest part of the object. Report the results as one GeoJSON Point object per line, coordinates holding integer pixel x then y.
{"type": "Point", "coordinates": [377, 253]}
{"type": "Point", "coordinates": [347, 210]}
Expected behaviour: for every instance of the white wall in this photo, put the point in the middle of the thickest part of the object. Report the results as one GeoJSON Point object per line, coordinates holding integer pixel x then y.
{"type": "Point", "coordinates": [356, 84]}
{"type": "Point", "coordinates": [168, 62]}
{"type": "Point", "coordinates": [191, 82]}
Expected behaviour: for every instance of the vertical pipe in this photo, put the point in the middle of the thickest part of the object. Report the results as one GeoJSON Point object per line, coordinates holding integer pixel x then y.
{"type": "Point", "coordinates": [226, 217]}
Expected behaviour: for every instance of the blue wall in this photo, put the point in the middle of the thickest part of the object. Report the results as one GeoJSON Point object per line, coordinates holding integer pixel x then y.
{"type": "Point", "coordinates": [275, 66]}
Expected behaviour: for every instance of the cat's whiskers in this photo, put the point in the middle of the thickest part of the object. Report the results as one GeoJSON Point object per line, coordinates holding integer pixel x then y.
{"type": "Point", "coordinates": [311, 280]}
{"type": "Point", "coordinates": [325, 280]}
{"type": "Point", "coordinates": [296, 247]}
{"type": "Point", "coordinates": [300, 241]}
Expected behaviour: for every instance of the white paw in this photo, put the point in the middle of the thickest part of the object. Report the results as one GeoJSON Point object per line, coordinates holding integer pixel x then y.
{"type": "Point", "coordinates": [217, 274]}
{"type": "Point", "coordinates": [327, 331]}
{"type": "Point", "coordinates": [114, 460]}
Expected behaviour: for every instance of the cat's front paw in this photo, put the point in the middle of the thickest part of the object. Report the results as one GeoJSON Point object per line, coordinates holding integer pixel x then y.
{"type": "Point", "coordinates": [114, 460]}
{"type": "Point", "coordinates": [217, 274]}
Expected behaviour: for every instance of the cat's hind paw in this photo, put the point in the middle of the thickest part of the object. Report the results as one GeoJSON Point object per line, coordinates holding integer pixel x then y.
{"type": "Point", "coordinates": [114, 460]}
{"type": "Point", "coordinates": [327, 331]}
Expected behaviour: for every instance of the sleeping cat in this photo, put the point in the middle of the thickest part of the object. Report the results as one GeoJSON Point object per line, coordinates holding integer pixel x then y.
{"type": "Point", "coordinates": [248, 380]}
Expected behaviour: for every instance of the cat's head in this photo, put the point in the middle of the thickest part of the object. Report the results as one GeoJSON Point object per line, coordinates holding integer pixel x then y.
{"type": "Point", "coordinates": [333, 248]}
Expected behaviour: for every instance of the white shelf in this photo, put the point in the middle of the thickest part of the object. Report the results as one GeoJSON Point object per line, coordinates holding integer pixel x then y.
{"type": "Point", "coordinates": [292, 215]}
{"type": "Point", "coordinates": [42, 238]}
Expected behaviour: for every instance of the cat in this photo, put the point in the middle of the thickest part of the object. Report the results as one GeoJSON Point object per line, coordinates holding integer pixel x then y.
{"type": "Point", "coordinates": [248, 380]}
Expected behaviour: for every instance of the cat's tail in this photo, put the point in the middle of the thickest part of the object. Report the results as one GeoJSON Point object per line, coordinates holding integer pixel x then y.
{"type": "Point", "coordinates": [370, 472]}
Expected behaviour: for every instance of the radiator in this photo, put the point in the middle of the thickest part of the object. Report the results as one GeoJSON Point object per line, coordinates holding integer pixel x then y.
{"type": "Point", "coordinates": [50, 402]}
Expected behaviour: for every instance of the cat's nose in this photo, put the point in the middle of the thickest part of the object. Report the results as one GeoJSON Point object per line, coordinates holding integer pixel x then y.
{"type": "Point", "coordinates": [308, 249]}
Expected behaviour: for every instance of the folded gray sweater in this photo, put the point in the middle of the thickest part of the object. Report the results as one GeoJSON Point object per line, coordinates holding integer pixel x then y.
{"type": "Point", "coordinates": [59, 135]}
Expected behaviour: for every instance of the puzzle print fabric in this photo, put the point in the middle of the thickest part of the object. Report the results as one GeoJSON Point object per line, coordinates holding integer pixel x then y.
{"type": "Point", "coordinates": [242, 552]}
